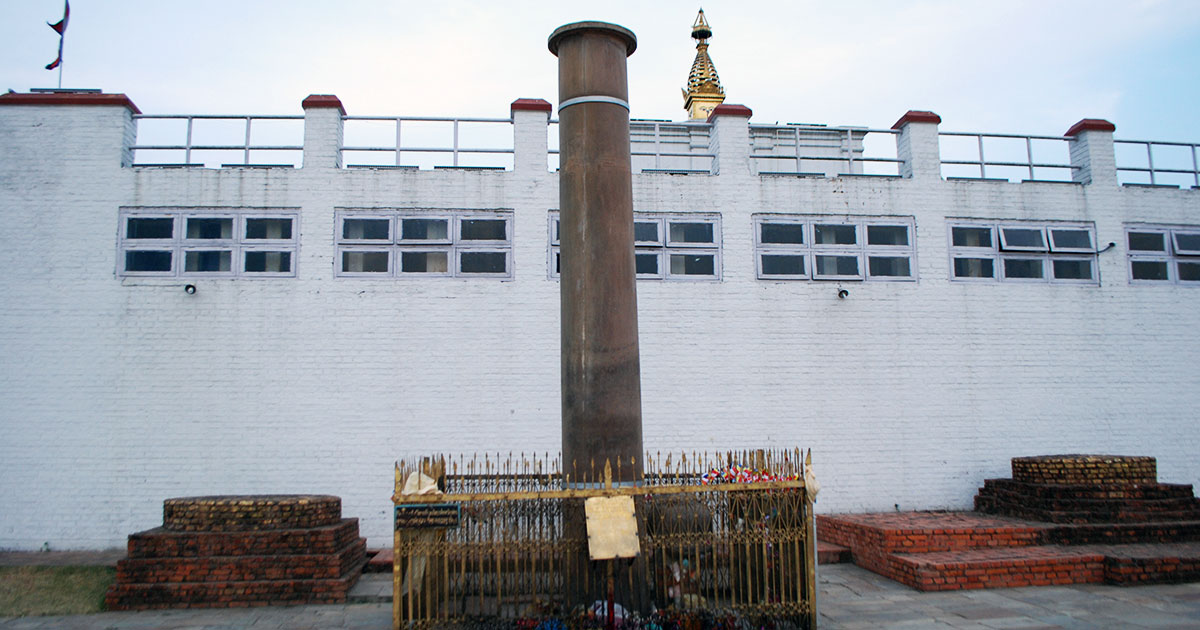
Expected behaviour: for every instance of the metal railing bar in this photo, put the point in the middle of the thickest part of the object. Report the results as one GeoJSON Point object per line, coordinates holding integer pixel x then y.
{"type": "Point", "coordinates": [428, 149]}
{"type": "Point", "coordinates": [215, 147]}
{"type": "Point", "coordinates": [966, 134]}
{"type": "Point", "coordinates": [1020, 164]}
{"type": "Point", "coordinates": [214, 117]}
{"type": "Point", "coordinates": [429, 119]}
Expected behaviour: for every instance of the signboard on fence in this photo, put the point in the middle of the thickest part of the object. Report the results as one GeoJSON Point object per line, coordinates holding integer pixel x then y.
{"type": "Point", "coordinates": [427, 515]}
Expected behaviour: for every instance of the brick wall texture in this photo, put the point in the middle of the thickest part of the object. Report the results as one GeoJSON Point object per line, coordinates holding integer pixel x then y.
{"type": "Point", "coordinates": [118, 393]}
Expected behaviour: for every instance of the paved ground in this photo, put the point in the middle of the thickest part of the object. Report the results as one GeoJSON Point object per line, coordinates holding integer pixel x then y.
{"type": "Point", "coordinates": [850, 599]}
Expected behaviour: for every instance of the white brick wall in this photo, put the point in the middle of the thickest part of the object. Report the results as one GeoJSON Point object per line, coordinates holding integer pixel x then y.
{"type": "Point", "coordinates": [118, 393]}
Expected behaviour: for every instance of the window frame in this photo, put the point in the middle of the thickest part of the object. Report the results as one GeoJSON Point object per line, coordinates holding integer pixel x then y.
{"type": "Point", "coordinates": [1171, 255]}
{"type": "Point", "coordinates": [810, 250]}
{"type": "Point", "coordinates": [1001, 251]}
{"type": "Point", "coordinates": [662, 249]}
{"type": "Point", "coordinates": [396, 245]}
{"type": "Point", "coordinates": [179, 245]}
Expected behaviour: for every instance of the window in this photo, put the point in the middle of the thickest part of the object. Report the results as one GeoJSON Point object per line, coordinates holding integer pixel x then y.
{"type": "Point", "coordinates": [424, 243]}
{"type": "Point", "coordinates": [1161, 254]}
{"type": "Point", "coordinates": [666, 246]}
{"type": "Point", "coordinates": [804, 247]}
{"type": "Point", "coordinates": [1022, 251]}
{"type": "Point", "coordinates": [207, 242]}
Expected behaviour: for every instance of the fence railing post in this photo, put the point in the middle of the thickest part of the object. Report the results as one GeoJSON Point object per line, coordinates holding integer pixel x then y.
{"type": "Point", "coordinates": [531, 120]}
{"type": "Point", "coordinates": [730, 138]}
{"type": "Point", "coordinates": [917, 145]}
{"type": "Point", "coordinates": [1093, 156]}
{"type": "Point", "coordinates": [323, 131]}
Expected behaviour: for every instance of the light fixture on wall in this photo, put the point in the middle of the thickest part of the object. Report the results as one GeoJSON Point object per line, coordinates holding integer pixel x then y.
{"type": "Point", "coordinates": [843, 294]}
{"type": "Point", "coordinates": [189, 289]}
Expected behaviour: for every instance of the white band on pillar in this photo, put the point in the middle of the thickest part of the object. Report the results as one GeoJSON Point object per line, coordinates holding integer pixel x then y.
{"type": "Point", "coordinates": [592, 99]}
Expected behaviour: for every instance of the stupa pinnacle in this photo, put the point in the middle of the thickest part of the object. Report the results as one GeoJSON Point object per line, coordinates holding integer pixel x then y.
{"type": "Point", "coordinates": [704, 91]}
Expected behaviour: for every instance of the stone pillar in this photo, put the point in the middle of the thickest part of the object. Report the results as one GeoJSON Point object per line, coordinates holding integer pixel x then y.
{"type": "Point", "coordinates": [917, 145]}
{"type": "Point", "coordinates": [729, 139]}
{"type": "Point", "coordinates": [1093, 157]}
{"type": "Point", "coordinates": [322, 131]}
{"type": "Point", "coordinates": [531, 118]}
{"type": "Point", "coordinates": [601, 377]}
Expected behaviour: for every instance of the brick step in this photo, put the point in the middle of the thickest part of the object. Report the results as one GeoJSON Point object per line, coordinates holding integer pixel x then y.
{"type": "Point", "coordinates": [923, 532]}
{"type": "Point", "coordinates": [1150, 504]}
{"type": "Point", "coordinates": [1123, 533]}
{"type": "Point", "coordinates": [242, 568]}
{"type": "Point", "coordinates": [138, 596]}
{"type": "Point", "coordinates": [997, 568]}
{"type": "Point", "coordinates": [163, 543]}
{"type": "Point", "coordinates": [1094, 513]}
{"type": "Point", "coordinates": [1047, 565]}
{"type": "Point", "coordinates": [830, 553]}
{"type": "Point", "coordinates": [1067, 492]}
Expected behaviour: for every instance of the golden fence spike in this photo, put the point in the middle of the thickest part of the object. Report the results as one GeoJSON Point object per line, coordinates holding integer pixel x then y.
{"type": "Point", "coordinates": [608, 473]}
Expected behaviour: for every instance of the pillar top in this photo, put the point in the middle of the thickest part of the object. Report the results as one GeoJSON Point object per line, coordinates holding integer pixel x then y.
{"type": "Point", "coordinates": [317, 101]}
{"type": "Point", "coordinates": [602, 27]}
{"type": "Point", "coordinates": [1091, 124]}
{"type": "Point", "coordinates": [729, 109]}
{"type": "Point", "coordinates": [530, 105]}
{"type": "Point", "coordinates": [917, 116]}
{"type": "Point", "coordinates": [67, 97]}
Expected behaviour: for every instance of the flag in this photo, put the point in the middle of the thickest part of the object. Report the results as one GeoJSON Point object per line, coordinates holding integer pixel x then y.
{"type": "Point", "coordinates": [61, 29]}
{"type": "Point", "coordinates": [61, 26]}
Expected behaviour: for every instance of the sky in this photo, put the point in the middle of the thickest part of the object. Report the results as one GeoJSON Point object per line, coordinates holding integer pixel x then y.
{"type": "Point", "coordinates": [1007, 66]}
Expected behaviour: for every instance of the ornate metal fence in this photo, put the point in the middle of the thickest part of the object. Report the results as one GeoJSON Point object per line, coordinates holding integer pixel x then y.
{"type": "Point", "coordinates": [724, 541]}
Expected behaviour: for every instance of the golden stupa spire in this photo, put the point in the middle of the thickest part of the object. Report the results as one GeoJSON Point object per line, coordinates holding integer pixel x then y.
{"type": "Point", "coordinates": [704, 91]}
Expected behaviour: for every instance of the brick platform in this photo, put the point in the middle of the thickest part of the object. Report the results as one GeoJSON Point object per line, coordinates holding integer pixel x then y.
{"type": "Point", "coordinates": [1062, 519]}
{"type": "Point", "coordinates": [241, 551]}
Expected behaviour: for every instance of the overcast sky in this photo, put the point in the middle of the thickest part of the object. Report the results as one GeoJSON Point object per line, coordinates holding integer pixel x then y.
{"type": "Point", "coordinates": [1012, 66]}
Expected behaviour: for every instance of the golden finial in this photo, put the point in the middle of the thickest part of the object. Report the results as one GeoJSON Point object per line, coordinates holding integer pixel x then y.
{"type": "Point", "coordinates": [704, 91]}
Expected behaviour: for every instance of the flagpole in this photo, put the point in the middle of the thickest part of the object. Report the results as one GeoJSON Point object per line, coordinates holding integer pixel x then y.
{"type": "Point", "coordinates": [60, 63]}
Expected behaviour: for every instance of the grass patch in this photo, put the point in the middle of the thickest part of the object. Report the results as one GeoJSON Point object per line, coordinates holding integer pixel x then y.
{"type": "Point", "coordinates": [53, 590]}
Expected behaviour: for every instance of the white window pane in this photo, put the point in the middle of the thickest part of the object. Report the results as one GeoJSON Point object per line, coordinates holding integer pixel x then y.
{"type": "Point", "coordinates": [1072, 269]}
{"type": "Point", "coordinates": [483, 262]}
{"type": "Point", "coordinates": [424, 262]}
{"type": "Point", "coordinates": [835, 235]}
{"type": "Point", "coordinates": [784, 233]}
{"type": "Point", "coordinates": [268, 262]}
{"type": "Point", "coordinates": [269, 229]}
{"type": "Point", "coordinates": [147, 261]}
{"type": "Point", "coordinates": [1023, 238]}
{"type": "Point", "coordinates": [782, 265]}
{"type": "Point", "coordinates": [1148, 269]}
{"type": "Point", "coordinates": [1187, 243]}
{"type": "Point", "coordinates": [974, 268]}
{"type": "Point", "coordinates": [207, 228]}
{"type": "Point", "coordinates": [1147, 242]}
{"type": "Point", "coordinates": [836, 265]}
{"type": "Point", "coordinates": [1024, 268]}
{"type": "Point", "coordinates": [972, 237]}
{"type": "Point", "coordinates": [148, 228]}
{"type": "Point", "coordinates": [887, 235]}
{"type": "Point", "coordinates": [1070, 239]}
{"type": "Point", "coordinates": [425, 229]}
{"type": "Point", "coordinates": [693, 264]}
{"type": "Point", "coordinates": [646, 232]}
{"type": "Point", "coordinates": [1189, 271]}
{"type": "Point", "coordinates": [365, 229]}
{"type": "Point", "coordinates": [691, 233]}
{"type": "Point", "coordinates": [208, 261]}
{"type": "Point", "coordinates": [554, 229]}
{"type": "Point", "coordinates": [364, 261]}
{"type": "Point", "coordinates": [483, 230]}
{"type": "Point", "coordinates": [888, 266]}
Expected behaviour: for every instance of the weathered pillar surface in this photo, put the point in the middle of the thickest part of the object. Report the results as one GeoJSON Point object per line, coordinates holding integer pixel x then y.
{"type": "Point", "coordinates": [601, 378]}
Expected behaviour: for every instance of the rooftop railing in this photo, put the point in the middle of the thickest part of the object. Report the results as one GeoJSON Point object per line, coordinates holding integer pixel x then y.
{"type": "Point", "coordinates": [210, 140]}
{"type": "Point", "coordinates": [427, 142]}
{"type": "Point", "coordinates": [659, 146]}
{"type": "Point", "coordinates": [1005, 156]}
{"type": "Point", "coordinates": [818, 150]}
{"type": "Point", "coordinates": [1145, 162]}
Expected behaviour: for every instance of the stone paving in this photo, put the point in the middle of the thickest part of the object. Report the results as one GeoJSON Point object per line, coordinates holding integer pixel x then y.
{"type": "Point", "coordinates": [851, 598]}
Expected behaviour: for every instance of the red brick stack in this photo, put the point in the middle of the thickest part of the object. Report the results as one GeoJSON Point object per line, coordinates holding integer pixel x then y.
{"type": "Point", "coordinates": [241, 551]}
{"type": "Point", "coordinates": [1061, 519]}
